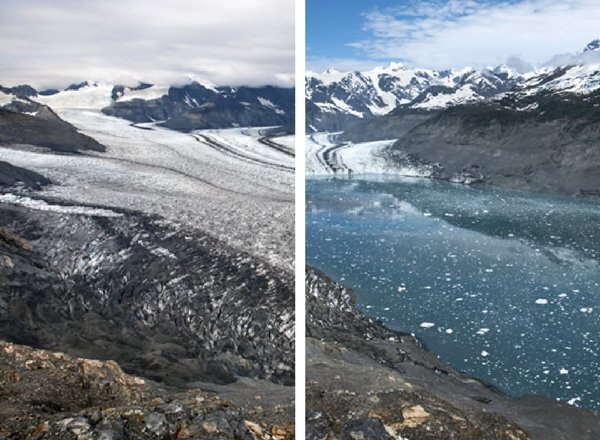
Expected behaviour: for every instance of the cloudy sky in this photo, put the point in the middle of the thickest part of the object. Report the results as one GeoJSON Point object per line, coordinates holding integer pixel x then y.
{"type": "Point", "coordinates": [355, 34]}
{"type": "Point", "coordinates": [227, 42]}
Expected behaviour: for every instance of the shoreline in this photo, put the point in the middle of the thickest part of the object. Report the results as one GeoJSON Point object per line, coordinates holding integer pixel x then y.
{"type": "Point", "coordinates": [392, 177]}
{"type": "Point", "coordinates": [339, 334]}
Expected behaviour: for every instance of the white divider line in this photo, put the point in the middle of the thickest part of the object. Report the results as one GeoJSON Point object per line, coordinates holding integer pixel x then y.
{"type": "Point", "coordinates": [300, 400]}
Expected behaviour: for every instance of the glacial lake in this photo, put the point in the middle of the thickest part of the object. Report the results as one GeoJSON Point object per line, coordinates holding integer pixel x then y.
{"type": "Point", "coordinates": [502, 285]}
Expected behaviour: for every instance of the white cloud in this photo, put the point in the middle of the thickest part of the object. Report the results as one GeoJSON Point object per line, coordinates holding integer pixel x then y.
{"type": "Point", "coordinates": [456, 33]}
{"type": "Point", "coordinates": [226, 42]}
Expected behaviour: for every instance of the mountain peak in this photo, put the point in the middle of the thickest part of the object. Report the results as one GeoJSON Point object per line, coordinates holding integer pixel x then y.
{"type": "Point", "coordinates": [395, 66]}
{"type": "Point", "coordinates": [593, 46]}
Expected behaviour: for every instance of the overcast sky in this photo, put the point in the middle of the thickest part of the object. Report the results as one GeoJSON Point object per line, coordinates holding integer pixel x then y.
{"type": "Point", "coordinates": [449, 33]}
{"type": "Point", "coordinates": [227, 42]}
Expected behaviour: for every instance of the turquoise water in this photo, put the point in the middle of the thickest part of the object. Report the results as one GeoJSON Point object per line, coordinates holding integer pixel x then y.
{"type": "Point", "coordinates": [501, 285]}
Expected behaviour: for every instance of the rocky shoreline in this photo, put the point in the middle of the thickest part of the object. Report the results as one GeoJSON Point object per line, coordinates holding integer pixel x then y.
{"type": "Point", "coordinates": [366, 381]}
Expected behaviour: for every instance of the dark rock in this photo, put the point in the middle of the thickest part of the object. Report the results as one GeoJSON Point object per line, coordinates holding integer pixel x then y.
{"type": "Point", "coordinates": [46, 130]}
{"type": "Point", "coordinates": [367, 429]}
{"type": "Point", "coordinates": [194, 107]}
{"type": "Point", "coordinates": [551, 148]}
{"type": "Point", "coordinates": [22, 91]}
{"type": "Point", "coordinates": [78, 86]}
{"type": "Point", "coordinates": [11, 175]}
{"type": "Point", "coordinates": [48, 92]}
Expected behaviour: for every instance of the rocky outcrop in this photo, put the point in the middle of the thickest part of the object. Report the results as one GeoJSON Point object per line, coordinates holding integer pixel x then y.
{"type": "Point", "coordinates": [536, 143]}
{"type": "Point", "coordinates": [194, 107]}
{"type": "Point", "coordinates": [11, 176]}
{"type": "Point", "coordinates": [42, 128]}
{"type": "Point", "coordinates": [366, 381]}
{"type": "Point", "coordinates": [51, 395]}
{"type": "Point", "coordinates": [395, 125]}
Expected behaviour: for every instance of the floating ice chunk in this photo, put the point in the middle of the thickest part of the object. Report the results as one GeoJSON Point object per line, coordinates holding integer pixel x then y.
{"type": "Point", "coordinates": [586, 310]}
{"type": "Point", "coordinates": [484, 353]}
{"type": "Point", "coordinates": [402, 289]}
{"type": "Point", "coordinates": [483, 331]}
{"type": "Point", "coordinates": [541, 301]}
{"type": "Point", "coordinates": [427, 324]}
{"type": "Point", "coordinates": [562, 295]}
{"type": "Point", "coordinates": [449, 331]}
{"type": "Point", "coordinates": [574, 400]}
{"type": "Point", "coordinates": [563, 371]}
{"type": "Point", "coordinates": [427, 214]}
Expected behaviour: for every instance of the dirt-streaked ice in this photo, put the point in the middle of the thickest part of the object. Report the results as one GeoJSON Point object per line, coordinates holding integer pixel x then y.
{"type": "Point", "coordinates": [225, 182]}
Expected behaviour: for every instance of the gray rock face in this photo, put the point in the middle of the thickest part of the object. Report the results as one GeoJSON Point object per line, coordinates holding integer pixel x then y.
{"type": "Point", "coordinates": [366, 381]}
{"type": "Point", "coordinates": [16, 176]}
{"type": "Point", "coordinates": [392, 126]}
{"type": "Point", "coordinates": [552, 148]}
{"type": "Point", "coordinates": [23, 91]}
{"type": "Point", "coordinates": [593, 45]}
{"type": "Point", "coordinates": [44, 129]}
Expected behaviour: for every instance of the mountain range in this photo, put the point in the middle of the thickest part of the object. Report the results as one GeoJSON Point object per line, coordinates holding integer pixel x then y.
{"type": "Point", "coordinates": [336, 100]}
{"type": "Point", "coordinates": [534, 131]}
{"type": "Point", "coordinates": [184, 108]}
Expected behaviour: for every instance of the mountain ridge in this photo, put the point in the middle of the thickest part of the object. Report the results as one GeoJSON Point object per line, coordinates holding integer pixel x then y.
{"type": "Point", "coordinates": [337, 100]}
{"type": "Point", "coordinates": [184, 108]}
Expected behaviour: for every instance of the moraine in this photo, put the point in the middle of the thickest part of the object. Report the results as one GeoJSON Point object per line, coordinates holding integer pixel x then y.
{"type": "Point", "coordinates": [502, 285]}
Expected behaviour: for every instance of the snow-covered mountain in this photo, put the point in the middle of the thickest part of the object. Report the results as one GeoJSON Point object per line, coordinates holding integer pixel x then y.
{"type": "Point", "coordinates": [336, 100]}
{"type": "Point", "coordinates": [185, 108]}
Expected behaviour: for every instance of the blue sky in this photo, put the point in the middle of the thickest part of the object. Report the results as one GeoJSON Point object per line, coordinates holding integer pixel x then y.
{"type": "Point", "coordinates": [330, 24]}
{"type": "Point", "coordinates": [355, 34]}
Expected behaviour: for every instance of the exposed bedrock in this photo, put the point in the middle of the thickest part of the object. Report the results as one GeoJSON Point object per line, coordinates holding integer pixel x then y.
{"type": "Point", "coordinates": [43, 129]}
{"type": "Point", "coordinates": [11, 176]}
{"type": "Point", "coordinates": [194, 107]}
{"type": "Point", "coordinates": [51, 395]}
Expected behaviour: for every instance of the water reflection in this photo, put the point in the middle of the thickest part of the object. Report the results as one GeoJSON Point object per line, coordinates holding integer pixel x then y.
{"type": "Point", "coordinates": [501, 285]}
